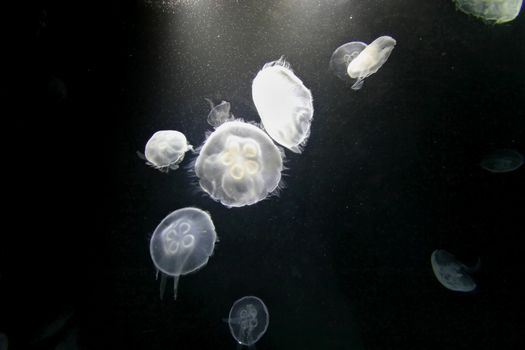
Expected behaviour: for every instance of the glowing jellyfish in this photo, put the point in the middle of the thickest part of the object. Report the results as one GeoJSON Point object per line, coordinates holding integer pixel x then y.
{"type": "Point", "coordinates": [284, 105]}
{"type": "Point", "coordinates": [451, 273]}
{"type": "Point", "coordinates": [502, 161]}
{"type": "Point", "coordinates": [248, 320]}
{"type": "Point", "coordinates": [239, 164]}
{"type": "Point", "coordinates": [165, 150]}
{"type": "Point", "coordinates": [182, 243]}
{"type": "Point", "coordinates": [219, 114]}
{"type": "Point", "coordinates": [357, 60]}
{"type": "Point", "coordinates": [496, 11]}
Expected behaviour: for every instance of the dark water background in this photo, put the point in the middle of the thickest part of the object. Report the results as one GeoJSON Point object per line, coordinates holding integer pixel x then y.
{"type": "Point", "coordinates": [342, 256]}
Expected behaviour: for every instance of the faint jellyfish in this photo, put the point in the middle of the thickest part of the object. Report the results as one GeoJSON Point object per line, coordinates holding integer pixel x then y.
{"type": "Point", "coordinates": [239, 164]}
{"type": "Point", "coordinates": [165, 150]}
{"type": "Point", "coordinates": [357, 60]}
{"type": "Point", "coordinates": [495, 11]}
{"type": "Point", "coordinates": [451, 273]}
{"type": "Point", "coordinates": [284, 104]}
{"type": "Point", "coordinates": [502, 161]}
{"type": "Point", "coordinates": [182, 243]}
{"type": "Point", "coordinates": [3, 341]}
{"type": "Point", "coordinates": [248, 320]}
{"type": "Point", "coordinates": [219, 114]}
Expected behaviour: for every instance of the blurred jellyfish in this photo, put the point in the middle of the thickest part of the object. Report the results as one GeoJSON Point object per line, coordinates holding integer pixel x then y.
{"type": "Point", "coordinates": [248, 320]}
{"type": "Point", "coordinates": [239, 164]}
{"type": "Point", "coordinates": [502, 161]}
{"type": "Point", "coordinates": [219, 114]}
{"type": "Point", "coordinates": [284, 105]}
{"type": "Point", "coordinates": [3, 341]}
{"type": "Point", "coordinates": [357, 60]}
{"type": "Point", "coordinates": [496, 11]}
{"type": "Point", "coordinates": [165, 150]}
{"type": "Point", "coordinates": [452, 273]}
{"type": "Point", "coordinates": [182, 243]}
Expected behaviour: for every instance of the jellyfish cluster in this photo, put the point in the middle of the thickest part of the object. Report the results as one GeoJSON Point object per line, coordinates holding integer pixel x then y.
{"type": "Point", "coordinates": [240, 163]}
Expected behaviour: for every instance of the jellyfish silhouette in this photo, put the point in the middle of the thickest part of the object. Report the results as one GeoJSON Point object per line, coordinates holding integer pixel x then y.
{"type": "Point", "coordinates": [248, 320]}
{"type": "Point", "coordinates": [357, 60]}
{"type": "Point", "coordinates": [219, 114]}
{"type": "Point", "coordinates": [182, 243]}
{"type": "Point", "coordinates": [284, 104]}
{"type": "Point", "coordinates": [165, 150]}
{"type": "Point", "coordinates": [502, 161]}
{"type": "Point", "coordinates": [239, 164]}
{"type": "Point", "coordinates": [451, 273]}
{"type": "Point", "coordinates": [495, 11]}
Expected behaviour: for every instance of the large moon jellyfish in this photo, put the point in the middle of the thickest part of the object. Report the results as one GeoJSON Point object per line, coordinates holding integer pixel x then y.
{"type": "Point", "coordinates": [165, 150]}
{"type": "Point", "coordinates": [284, 105]}
{"type": "Point", "coordinates": [451, 273]}
{"type": "Point", "coordinates": [357, 60]}
{"type": "Point", "coordinates": [502, 161]}
{"type": "Point", "coordinates": [248, 320]}
{"type": "Point", "coordinates": [496, 11]}
{"type": "Point", "coordinates": [239, 164]}
{"type": "Point", "coordinates": [182, 243]}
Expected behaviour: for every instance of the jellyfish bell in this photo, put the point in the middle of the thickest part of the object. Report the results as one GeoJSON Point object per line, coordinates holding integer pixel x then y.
{"type": "Point", "coordinates": [284, 104]}
{"type": "Point", "coordinates": [165, 150]}
{"type": "Point", "coordinates": [493, 11]}
{"type": "Point", "coordinates": [239, 164]}
{"type": "Point", "coordinates": [248, 320]}
{"type": "Point", "coordinates": [502, 161]}
{"type": "Point", "coordinates": [361, 60]}
{"type": "Point", "coordinates": [219, 114]}
{"type": "Point", "coordinates": [451, 273]}
{"type": "Point", "coordinates": [182, 243]}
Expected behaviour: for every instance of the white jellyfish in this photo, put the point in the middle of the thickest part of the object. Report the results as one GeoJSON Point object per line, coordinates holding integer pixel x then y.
{"type": "Point", "coordinates": [239, 164]}
{"type": "Point", "coordinates": [165, 150]}
{"type": "Point", "coordinates": [182, 243]}
{"type": "Point", "coordinates": [219, 114]}
{"type": "Point", "coordinates": [496, 11]}
{"type": "Point", "coordinates": [248, 320]}
{"type": "Point", "coordinates": [451, 273]}
{"type": "Point", "coordinates": [284, 105]}
{"type": "Point", "coordinates": [357, 60]}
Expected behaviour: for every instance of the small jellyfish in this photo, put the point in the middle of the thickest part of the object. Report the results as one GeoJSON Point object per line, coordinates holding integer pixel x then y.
{"type": "Point", "coordinates": [284, 104]}
{"type": "Point", "coordinates": [357, 60]}
{"type": "Point", "coordinates": [182, 243]}
{"type": "Point", "coordinates": [494, 11]}
{"type": "Point", "coordinates": [219, 114]}
{"type": "Point", "coordinates": [502, 161]}
{"type": "Point", "coordinates": [165, 150]}
{"type": "Point", "coordinates": [452, 273]}
{"type": "Point", "coordinates": [248, 320]}
{"type": "Point", "coordinates": [239, 164]}
{"type": "Point", "coordinates": [3, 341]}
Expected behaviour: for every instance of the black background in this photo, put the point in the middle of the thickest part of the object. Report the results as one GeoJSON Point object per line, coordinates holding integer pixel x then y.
{"type": "Point", "coordinates": [341, 256]}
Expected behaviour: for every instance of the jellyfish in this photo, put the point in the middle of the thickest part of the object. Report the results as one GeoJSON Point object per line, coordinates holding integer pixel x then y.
{"type": "Point", "coordinates": [239, 164]}
{"type": "Point", "coordinates": [219, 114]}
{"type": "Point", "coordinates": [502, 161]}
{"type": "Point", "coordinates": [182, 243]}
{"type": "Point", "coordinates": [284, 105]}
{"type": "Point", "coordinates": [165, 150]}
{"type": "Point", "coordinates": [495, 11]}
{"type": "Point", "coordinates": [248, 320]}
{"type": "Point", "coordinates": [451, 273]}
{"type": "Point", "coordinates": [3, 341]}
{"type": "Point", "coordinates": [358, 60]}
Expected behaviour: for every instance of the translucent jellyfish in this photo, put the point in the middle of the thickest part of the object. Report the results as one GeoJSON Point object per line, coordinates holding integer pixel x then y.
{"type": "Point", "coordinates": [182, 243]}
{"type": "Point", "coordinates": [219, 114]}
{"type": "Point", "coordinates": [502, 161]}
{"type": "Point", "coordinates": [165, 150]}
{"type": "Point", "coordinates": [284, 105]}
{"type": "Point", "coordinates": [248, 320]}
{"type": "Point", "coordinates": [3, 341]}
{"type": "Point", "coordinates": [452, 273]}
{"type": "Point", "coordinates": [239, 164]}
{"type": "Point", "coordinates": [496, 11]}
{"type": "Point", "coordinates": [357, 60]}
